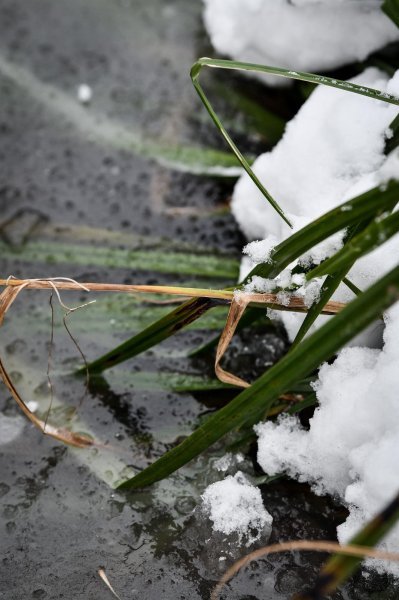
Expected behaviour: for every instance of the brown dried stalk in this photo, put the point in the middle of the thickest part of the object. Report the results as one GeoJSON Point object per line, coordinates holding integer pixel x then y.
{"type": "Point", "coordinates": [308, 545]}
{"type": "Point", "coordinates": [238, 302]}
{"type": "Point", "coordinates": [294, 304]}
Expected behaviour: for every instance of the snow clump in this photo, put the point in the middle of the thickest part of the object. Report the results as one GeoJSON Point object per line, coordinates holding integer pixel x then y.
{"type": "Point", "coordinates": [235, 506]}
{"type": "Point", "coordinates": [307, 35]}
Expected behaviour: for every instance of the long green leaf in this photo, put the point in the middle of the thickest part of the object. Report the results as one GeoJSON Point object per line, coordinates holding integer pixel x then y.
{"type": "Point", "coordinates": [393, 142]}
{"type": "Point", "coordinates": [372, 237]}
{"type": "Point", "coordinates": [339, 567]}
{"type": "Point", "coordinates": [361, 209]}
{"type": "Point", "coordinates": [294, 366]}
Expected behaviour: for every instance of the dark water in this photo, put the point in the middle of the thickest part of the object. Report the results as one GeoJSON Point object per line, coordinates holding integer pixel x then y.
{"type": "Point", "coordinates": [90, 193]}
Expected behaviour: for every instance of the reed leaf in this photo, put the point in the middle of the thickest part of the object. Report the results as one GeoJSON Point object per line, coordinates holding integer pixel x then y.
{"type": "Point", "coordinates": [393, 142]}
{"type": "Point", "coordinates": [365, 206]}
{"type": "Point", "coordinates": [330, 285]}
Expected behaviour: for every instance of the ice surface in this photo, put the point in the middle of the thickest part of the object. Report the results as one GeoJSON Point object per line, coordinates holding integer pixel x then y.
{"type": "Point", "coordinates": [305, 35]}
{"type": "Point", "coordinates": [10, 428]}
{"type": "Point", "coordinates": [235, 506]}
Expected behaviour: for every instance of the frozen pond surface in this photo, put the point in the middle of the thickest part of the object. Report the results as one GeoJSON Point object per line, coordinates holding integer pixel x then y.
{"type": "Point", "coordinates": [83, 196]}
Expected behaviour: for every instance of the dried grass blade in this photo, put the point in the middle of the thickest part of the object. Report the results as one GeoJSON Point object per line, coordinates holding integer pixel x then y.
{"type": "Point", "coordinates": [307, 545]}
{"type": "Point", "coordinates": [237, 308]}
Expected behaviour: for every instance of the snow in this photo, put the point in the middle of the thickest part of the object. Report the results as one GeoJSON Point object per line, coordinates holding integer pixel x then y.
{"type": "Point", "coordinates": [351, 450]}
{"type": "Point", "coordinates": [235, 506]}
{"type": "Point", "coordinates": [331, 151]}
{"type": "Point", "coordinates": [259, 251]}
{"type": "Point", "coordinates": [305, 35]}
{"type": "Point", "coordinates": [84, 93]}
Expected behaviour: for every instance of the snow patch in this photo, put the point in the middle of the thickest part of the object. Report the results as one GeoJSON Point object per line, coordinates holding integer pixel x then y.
{"type": "Point", "coordinates": [305, 35]}
{"type": "Point", "coordinates": [235, 506]}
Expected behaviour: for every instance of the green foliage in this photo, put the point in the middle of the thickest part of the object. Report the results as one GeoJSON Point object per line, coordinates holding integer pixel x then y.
{"type": "Point", "coordinates": [253, 402]}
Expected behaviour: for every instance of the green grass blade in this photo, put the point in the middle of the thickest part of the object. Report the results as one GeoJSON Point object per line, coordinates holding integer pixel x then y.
{"type": "Point", "coordinates": [339, 567]}
{"type": "Point", "coordinates": [195, 71]}
{"type": "Point", "coordinates": [345, 86]}
{"type": "Point", "coordinates": [309, 401]}
{"type": "Point", "coordinates": [296, 365]}
{"type": "Point", "coordinates": [372, 237]}
{"type": "Point", "coordinates": [181, 316]}
{"type": "Point", "coordinates": [349, 213]}
{"type": "Point", "coordinates": [327, 290]}
{"type": "Point", "coordinates": [391, 8]}
{"type": "Point", "coordinates": [353, 288]}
